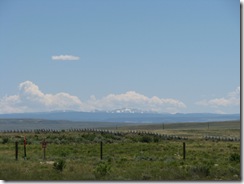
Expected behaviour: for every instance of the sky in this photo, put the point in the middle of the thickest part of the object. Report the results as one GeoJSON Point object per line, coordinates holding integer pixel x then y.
{"type": "Point", "coordinates": [180, 56]}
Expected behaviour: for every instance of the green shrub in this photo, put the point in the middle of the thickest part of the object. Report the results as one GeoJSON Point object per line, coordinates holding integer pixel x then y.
{"type": "Point", "coordinates": [122, 159]}
{"type": "Point", "coordinates": [142, 157]}
{"type": "Point", "coordinates": [146, 139]}
{"type": "Point", "coordinates": [59, 165]}
{"type": "Point", "coordinates": [155, 139]}
{"type": "Point", "coordinates": [102, 169]}
{"type": "Point", "coordinates": [64, 152]}
{"type": "Point", "coordinates": [234, 157]}
{"type": "Point", "coordinates": [146, 177]}
{"type": "Point", "coordinates": [56, 141]}
{"type": "Point", "coordinates": [97, 140]}
{"type": "Point", "coordinates": [89, 137]}
{"type": "Point", "coordinates": [5, 140]}
{"type": "Point", "coordinates": [201, 171]}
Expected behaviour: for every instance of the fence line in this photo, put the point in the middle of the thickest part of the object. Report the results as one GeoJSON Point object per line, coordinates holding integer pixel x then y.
{"type": "Point", "coordinates": [220, 138]}
{"type": "Point", "coordinates": [121, 133]}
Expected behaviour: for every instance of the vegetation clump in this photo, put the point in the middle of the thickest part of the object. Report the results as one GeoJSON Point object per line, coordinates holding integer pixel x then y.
{"type": "Point", "coordinates": [235, 157]}
{"type": "Point", "coordinates": [59, 165]}
{"type": "Point", "coordinates": [5, 140]}
{"type": "Point", "coordinates": [102, 169]}
{"type": "Point", "coordinates": [132, 155]}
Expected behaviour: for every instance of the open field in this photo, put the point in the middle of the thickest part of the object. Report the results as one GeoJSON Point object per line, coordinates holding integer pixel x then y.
{"type": "Point", "coordinates": [146, 152]}
{"type": "Point", "coordinates": [191, 130]}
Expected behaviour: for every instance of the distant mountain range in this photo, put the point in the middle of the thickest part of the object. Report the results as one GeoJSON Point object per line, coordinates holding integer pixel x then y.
{"type": "Point", "coordinates": [123, 115]}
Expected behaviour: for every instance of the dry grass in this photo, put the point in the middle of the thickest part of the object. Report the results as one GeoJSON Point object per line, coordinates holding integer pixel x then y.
{"type": "Point", "coordinates": [126, 157]}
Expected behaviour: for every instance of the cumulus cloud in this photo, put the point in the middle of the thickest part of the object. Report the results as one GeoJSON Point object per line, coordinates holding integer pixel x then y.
{"type": "Point", "coordinates": [232, 99]}
{"type": "Point", "coordinates": [65, 57]}
{"type": "Point", "coordinates": [31, 99]}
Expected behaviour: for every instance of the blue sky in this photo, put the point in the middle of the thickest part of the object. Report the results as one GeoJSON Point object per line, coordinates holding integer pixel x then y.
{"type": "Point", "coordinates": [160, 55]}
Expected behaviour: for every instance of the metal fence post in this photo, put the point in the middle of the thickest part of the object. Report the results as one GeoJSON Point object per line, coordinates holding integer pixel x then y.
{"type": "Point", "coordinates": [16, 150]}
{"type": "Point", "coordinates": [184, 150]}
{"type": "Point", "coordinates": [101, 150]}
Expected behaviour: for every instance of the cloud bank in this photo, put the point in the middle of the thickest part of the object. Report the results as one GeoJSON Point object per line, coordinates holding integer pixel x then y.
{"type": "Point", "coordinates": [134, 100]}
{"type": "Point", "coordinates": [232, 99]}
{"type": "Point", "coordinates": [65, 58]}
{"type": "Point", "coordinates": [31, 99]}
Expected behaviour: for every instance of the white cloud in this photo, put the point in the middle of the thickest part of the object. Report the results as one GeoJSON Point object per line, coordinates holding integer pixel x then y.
{"type": "Point", "coordinates": [232, 99]}
{"type": "Point", "coordinates": [9, 104]}
{"type": "Point", "coordinates": [65, 57]}
{"type": "Point", "coordinates": [31, 99]}
{"type": "Point", "coordinates": [131, 99]}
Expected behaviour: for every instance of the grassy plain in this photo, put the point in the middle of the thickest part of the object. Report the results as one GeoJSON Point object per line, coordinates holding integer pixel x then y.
{"type": "Point", "coordinates": [191, 130]}
{"type": "Point", "coordinates": [126, 157]}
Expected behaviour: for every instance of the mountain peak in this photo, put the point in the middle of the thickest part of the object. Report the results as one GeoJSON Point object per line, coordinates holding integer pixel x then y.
{"type": "Point", "coordinates": [128, 110]}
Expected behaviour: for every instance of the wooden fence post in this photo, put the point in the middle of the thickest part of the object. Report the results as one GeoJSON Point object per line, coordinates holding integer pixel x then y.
{"type": "Point", "coordinates": [44, 145]}
{"type": "Point", "coordinates": [44, 153]}
{"type": "Point", "coordinates": [25, 152]}
{"type": "Point", "coordinates": [101, 150]}
{"type": "Point", "coordinates": [16, 150]}
{"type": "Point", "coordinates": [184, 150]}
{"type": "Point", "coordinates": [25, 148]}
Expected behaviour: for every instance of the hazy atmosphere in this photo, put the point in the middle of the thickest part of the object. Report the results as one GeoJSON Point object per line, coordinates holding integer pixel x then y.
{"type": "Point", "coordinates": [160, 55]}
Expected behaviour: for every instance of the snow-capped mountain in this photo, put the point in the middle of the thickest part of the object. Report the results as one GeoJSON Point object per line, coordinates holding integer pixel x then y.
{"type": "Point", "coordinates": [129, 110]}
{"type": "Point", "coordinates": [123, 115]}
